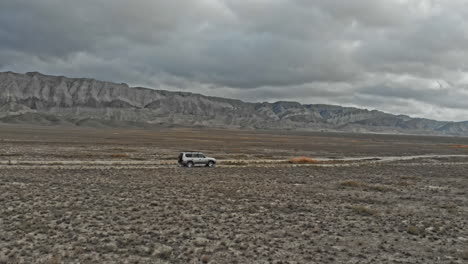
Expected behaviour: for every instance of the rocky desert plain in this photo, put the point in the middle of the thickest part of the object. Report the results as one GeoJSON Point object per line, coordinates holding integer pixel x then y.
{"type": "Point", "coordinates": [82, 195]}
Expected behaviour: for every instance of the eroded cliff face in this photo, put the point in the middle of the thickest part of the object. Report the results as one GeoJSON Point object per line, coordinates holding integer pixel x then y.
{"type": "Point", "coordinates": [43, 99]}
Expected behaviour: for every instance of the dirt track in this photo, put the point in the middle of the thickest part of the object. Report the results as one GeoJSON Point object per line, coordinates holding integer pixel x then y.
{"type": "Point", "coordinates": [439, 160]}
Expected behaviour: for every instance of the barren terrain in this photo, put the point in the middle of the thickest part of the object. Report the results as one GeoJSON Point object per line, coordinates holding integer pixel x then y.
{"type": "Point", "coordinates": [116, 196]}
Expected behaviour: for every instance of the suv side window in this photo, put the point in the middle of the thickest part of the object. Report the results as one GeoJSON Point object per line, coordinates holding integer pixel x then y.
{"type": "Point", "coordinates": [188, 155]}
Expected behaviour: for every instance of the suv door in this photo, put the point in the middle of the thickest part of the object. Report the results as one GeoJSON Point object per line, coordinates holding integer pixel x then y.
{"type": "Point", "coordinates": [201, 159]}
{"type": "Point", "coordinates": [197, 158]}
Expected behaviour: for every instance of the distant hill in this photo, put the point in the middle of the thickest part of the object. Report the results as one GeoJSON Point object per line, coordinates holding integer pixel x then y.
{"type": "Point", "coordinates": [34, 98]}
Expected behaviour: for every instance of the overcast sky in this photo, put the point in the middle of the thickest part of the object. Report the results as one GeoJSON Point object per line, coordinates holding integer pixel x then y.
{"type": "Point", "coordinates": [399, 56]}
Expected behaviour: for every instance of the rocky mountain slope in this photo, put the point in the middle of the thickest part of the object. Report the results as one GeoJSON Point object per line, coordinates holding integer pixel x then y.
{"type": "Point", "coordinates": [54, 100]}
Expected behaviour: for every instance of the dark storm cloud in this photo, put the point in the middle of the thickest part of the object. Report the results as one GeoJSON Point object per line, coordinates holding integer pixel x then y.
{"type": "Point", "coordinates": [390, 55]}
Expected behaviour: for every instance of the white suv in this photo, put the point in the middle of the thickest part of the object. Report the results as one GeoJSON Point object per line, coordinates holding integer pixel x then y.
{"type": "Point", "coordinates": [190, 159]}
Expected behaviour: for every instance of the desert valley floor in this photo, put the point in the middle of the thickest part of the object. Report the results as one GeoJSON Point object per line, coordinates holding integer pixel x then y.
{"type": "Point", "coordinates": [77, 195]}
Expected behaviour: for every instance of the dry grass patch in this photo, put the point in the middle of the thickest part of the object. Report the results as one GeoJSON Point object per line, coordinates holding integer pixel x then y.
{"type": "Point", "coordinates": [10, 155]}
{"type": "Point", "coordinates": [205, 259]}
{"type": "Point", "coordinates": [119, 156]}
{"type": "Point", "coordinates": [459, 146]}
{"type": "Point", "coordinates": [138, 158]}
{"type": "Point", "coordinates": [54, 260]}
{"type": "Point", "coordinates": [352, 183]}
{"type": "Point", "coordinates": [364, 211]}
{"type": "Point", "coordinates": [379, 188]}
{"type": "Point", "coordinates": [414, 230]}
{"type": "Point", "coordinates": [302, 160]}
{"type": "Point", "coordinates": [464, 255]}
{"type": "Point", "coordinates": [406, 183]}
{"type": "Point", "coordinates": [365, 186]}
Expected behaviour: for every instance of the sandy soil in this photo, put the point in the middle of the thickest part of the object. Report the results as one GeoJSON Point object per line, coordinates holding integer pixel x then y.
{"type": "Point", "coordinates": [398, 211]}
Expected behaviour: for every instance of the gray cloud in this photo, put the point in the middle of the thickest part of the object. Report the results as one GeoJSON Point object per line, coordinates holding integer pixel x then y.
{"type": "Point", "coordinates": [377, 54]}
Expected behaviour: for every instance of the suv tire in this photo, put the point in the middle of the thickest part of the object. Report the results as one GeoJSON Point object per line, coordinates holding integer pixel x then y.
{"type": "Point", "coordinates": [189, 164]}
{"type": "Point", "coordinates": [210, 164]}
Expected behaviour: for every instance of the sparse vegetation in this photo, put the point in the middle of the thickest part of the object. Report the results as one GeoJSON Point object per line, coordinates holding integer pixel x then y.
{"type": "Point", "coordinates": [459, 146]}
{"type": "Point", "coordinates": [146, 213]}
{"type": "Point", "coordinates": [54, 259]}
{"type": "Point", "coordinates": [364, 211]}
{"type": "Point", "coordinates": [352, 183]}
{"type": "Point", "coordinates": [205, 259]}
{"type": "Point", "coordinates": [119, 155]}
{"type": "Point", "coordinates": [138, 158]}
{"type": "Point", "coordinates": [379, 188]}
{"type": "Point", "coordinates": [415, 230]}
{"type": "Point", "coordinates": [302, 160]}
{"type": "Point", "coordinates": [464, 254]}
{"type": "Point", "coordinates": [371, 187]}
{"type": "Point", "coordinates": [405, 183]}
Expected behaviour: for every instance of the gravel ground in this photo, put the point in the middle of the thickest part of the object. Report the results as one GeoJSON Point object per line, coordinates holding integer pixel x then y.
{"type": "Point", "coordinates": [381, 213]}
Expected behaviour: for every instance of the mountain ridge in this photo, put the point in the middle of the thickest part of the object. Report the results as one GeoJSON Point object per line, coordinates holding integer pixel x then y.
{"type": "Point", "coordinates": [45, 99]}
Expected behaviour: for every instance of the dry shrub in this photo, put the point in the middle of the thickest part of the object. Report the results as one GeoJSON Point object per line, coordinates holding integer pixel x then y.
{"type": "Point", "coordinates": [459, 146]}
{"type": "Point", "coordinates": [379, 188]}
{"type": "Point", "coordinates": [351, 183]}
{"type": "Point", "coordinates": [464, 255]}
{"type": "Point", "coordinates": [414, 230]}
{"type": "Point", "coordinates": [406, 183]}
{"type": "Point", "coordinates": [302, 160]}
{"type": "Point", "coordinates": [365, 211]}
{"type": "Point", "coordinates": [120, 155]}
{"type": "Point", "coordinates": [205, 259]}
{"type": "Point", "coordinates": [138, 158]}
{"type": "Point", "coordinates": [54, 259]}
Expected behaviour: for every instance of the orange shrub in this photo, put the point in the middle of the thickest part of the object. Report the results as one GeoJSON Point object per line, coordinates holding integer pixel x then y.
{"type": "Point", "coordinates": [459, 146]}
{"type": "Point", "coordinates": [302, 160]}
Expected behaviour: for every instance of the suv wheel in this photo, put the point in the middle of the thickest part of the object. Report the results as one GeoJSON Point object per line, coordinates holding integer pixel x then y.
{"type": "Point", "coordinates": [210, 164]}
{"type": "Point", "coordinates": [189, 164]}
